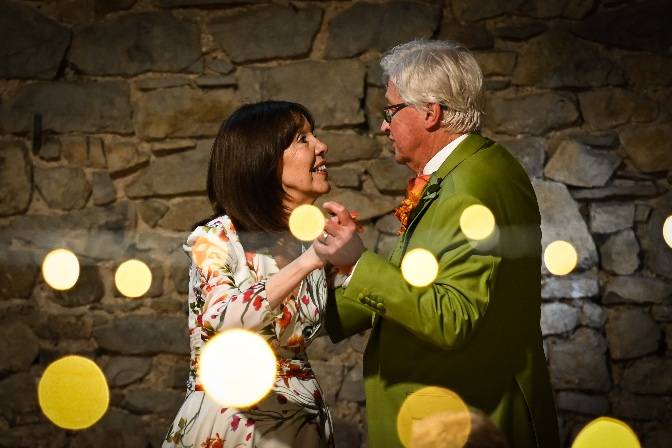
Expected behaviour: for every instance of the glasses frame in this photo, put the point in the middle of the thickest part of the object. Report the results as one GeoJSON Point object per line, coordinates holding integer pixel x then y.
{"type": "Point", "coordinates": [387, 115]}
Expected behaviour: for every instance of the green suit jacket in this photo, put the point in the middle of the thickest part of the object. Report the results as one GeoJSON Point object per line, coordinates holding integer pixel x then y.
{"type": "Point", "coordinates": [475, 329]}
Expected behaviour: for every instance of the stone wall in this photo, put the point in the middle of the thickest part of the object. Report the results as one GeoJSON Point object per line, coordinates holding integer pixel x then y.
{"type": "Point", "coordinates": [107, 113]}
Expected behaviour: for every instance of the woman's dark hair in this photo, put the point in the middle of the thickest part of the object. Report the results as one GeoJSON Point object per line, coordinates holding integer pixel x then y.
{"type": "Point", "coordinates": [244, 175]}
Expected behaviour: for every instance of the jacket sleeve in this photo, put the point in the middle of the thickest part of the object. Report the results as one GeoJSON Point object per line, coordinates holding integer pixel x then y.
{"type": "Point", "coordinates": [344, 317]}
{"type": "Point", "coordinates": [447, 311]}
{"type": "Point", "coordinates": [229, 295]}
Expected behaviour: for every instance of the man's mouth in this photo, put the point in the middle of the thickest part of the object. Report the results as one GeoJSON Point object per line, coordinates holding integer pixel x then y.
{"type": "Point", "coordinates": [321, 168]}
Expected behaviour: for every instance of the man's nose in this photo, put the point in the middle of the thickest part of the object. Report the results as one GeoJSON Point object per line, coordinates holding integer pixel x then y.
{"type": "Point", "coordinates": [384, 126]}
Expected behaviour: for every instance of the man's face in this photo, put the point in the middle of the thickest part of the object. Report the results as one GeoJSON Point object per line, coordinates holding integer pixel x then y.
{"type": "Point", "coordinates": [405, 130]}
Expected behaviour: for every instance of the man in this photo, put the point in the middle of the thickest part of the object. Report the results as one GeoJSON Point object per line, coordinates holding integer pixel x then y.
{"type": "Point", "coordinates": [475, 328]}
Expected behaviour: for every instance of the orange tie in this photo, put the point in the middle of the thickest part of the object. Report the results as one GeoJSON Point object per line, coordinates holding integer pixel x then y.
{"type": "Point", "coordinates": [413, 191]}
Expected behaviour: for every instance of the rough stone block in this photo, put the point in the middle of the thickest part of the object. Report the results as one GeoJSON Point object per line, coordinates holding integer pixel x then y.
{"type": "Point", "coordinates": [611, 217]}
{"type": "Point", "coordinates": [365, 204]}
{"type": "Point", "coordinates": [530, 152]}
{"type": "Point", "coordinates": [18, 271]}
{"type": "Point", "coordinates": [185, 212]}
{"type": "Point", "coordinates": [69, 107]}
{"type": "Point", "coordinates": [632, 289]}
{"type": "Point", "coordinates": [88, 289]}
{"type": "Point", "coordinates": [143, 334]}
{"type": "Point", "coordinates": [31, 45]}
{"type": "Point", "coordinates": [644, 146]}
{"type": "Point", "coordinates": [124, 370]}
{"type": "Point", "coordinates": [620, 253]}
{"type": "Point", "coordinates": [389, 176]}
{"type": "Point", "coordinates": [558, 59]}
{"type": "Point", "coordinates": [182, 112]}
{"type": "Point", "coordinates": [496, 63]}
{"type": "Point", "coordinates": [123, 157]}
{"type": "Point", "coordinates": [367, 26]}
{"type": "Point", "coordinates": [631, 333]}
{"type": "Point", "coordinates": [574, 286]}
{"type": "Point", "coordinates": [648, 376]}
{"type": "Point", "coordinates": [104, 192]}
{"type": "Point", "coordinates": [16, 172]}
{"type": "Point", "coordinates": [561, 220]}
{"type": "Point", "coordinates": [473, 36]}
{"type": "Point", "coordinates": [166, 175]}
{"type": "Point", "coordinates": [272, 31]}
{"type": "Point", "coordinates": [582, 403]}
{"type": "Point", "coordinates": [578, 165]}
{"type": "Point", "coordinates": [635, 26]}
{"type": "Point", "coordinates": [63, 188]}
{"type": "Point", "coordinates": [558, 318]}
{"type": "Point", "coordinates": [347, 146]}
{"type": "Point", "coordinates": [136, 43]}
{"type": "Point", "coordinates": [534, 114]}
{"type": "Point", "coordinates": [331, 90]}
{"type": "Point", "coordinates": [19, 356]}
{"type": "Point", "coordinates": [580, 362]}
{"type": "Point", "coordinates": [471, 12]}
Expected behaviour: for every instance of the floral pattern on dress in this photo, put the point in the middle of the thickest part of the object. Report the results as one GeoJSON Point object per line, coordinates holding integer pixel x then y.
{"type": "Point", "coordinates": [227, 289]}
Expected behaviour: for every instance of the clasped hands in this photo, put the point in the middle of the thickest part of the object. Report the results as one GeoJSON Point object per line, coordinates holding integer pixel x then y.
{"type": "Point", "coordinates": [340, 243]}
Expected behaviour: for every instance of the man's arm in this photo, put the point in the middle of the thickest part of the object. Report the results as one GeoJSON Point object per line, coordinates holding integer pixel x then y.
{"type": "Point", "coordinates": [345, 318]}
{"type": "Point", "coordinates": [448, 311]}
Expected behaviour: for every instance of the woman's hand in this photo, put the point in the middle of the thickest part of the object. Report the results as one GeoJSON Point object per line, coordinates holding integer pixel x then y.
{"type": "Point", "coordinates": [340, 243]}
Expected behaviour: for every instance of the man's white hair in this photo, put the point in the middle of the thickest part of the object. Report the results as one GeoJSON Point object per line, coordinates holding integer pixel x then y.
{"type": "Point", "coordinates": [443, 72]}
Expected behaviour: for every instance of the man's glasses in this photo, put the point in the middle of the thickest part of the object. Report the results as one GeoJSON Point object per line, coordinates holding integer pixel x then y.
{"type": "Point", "coordinates": [390, 111]}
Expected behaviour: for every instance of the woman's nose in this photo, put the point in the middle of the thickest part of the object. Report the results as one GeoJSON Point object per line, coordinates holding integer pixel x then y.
{"type": "Point", "coordinates": [320, 147]}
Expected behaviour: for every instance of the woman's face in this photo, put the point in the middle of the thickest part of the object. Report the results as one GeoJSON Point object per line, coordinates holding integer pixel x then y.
{"type": "Point", "coordinates": [304, 169]}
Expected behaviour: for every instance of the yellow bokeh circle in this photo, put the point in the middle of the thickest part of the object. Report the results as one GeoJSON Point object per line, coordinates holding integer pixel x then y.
{"type": "Point", "coordinates": [560, 257]}
{"type": "Point", "coordinates": [73, 392]}
{"type": "Point", "coordinates": [419, 267]}
{"type": "Point", "coordinates": [667, 230]}
{"type": "Point", "coordinates": [306, 222]}
{"type": "Point", "coordinates": [133, 278]}
{"type": "Point", "coordinates": [60, 269]}
{"type": "Point", "coordinates": [606, 432]}
{"type": "Point", "coordinates": [477, 222]}
{"type": "Point", "coordinates": [418, 408]}
{"type": "Point", "coordinates": [237, 368]}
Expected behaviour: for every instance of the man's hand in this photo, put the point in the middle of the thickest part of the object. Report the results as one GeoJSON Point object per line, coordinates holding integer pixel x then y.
{"type": "Point", "coordinates": [342, 246]}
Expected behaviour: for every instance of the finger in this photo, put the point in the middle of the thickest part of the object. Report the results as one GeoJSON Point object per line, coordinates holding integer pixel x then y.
{"type": "Point", "coordinates": [332, 228]}
{"type": "Point", "coordinates": [341, 212]}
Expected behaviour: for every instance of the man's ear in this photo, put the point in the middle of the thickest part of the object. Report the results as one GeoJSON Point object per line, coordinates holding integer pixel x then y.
{"type": "Point", "coordinates": [433, 116]}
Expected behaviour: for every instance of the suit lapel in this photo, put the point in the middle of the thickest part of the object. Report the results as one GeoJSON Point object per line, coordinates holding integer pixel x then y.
{"type": "Point", "coordinates": [464, 150]}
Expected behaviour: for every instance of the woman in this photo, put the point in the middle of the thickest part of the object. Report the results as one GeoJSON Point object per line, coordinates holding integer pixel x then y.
{"type": "Point", "coordinates": [265, 162]}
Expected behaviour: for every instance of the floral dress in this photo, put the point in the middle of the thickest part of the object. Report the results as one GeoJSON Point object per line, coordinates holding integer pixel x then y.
{"type": "Point", "coordinates": [227, 289]}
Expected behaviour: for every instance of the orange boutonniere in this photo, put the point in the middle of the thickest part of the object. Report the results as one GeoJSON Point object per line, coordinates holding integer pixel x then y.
{"type": "Point", "coordinates": [413, 193]}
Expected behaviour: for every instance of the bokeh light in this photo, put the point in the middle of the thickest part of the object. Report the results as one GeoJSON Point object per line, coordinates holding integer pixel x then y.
{"type": "Point", "coordinates": [237, 368]}
{"type": "Point", "coordinates": [419, 267]}
{"type": "Point", "coordinates": [133, 278]}
{"type": "Point", "coordinates": [477, 222]}
{"type": "Point", "coordinates": [606, 432]}
{"type": "Point", "coordinates": [429, 401]}
{"type": "Point", "coordinates": [306, 222]}
{"type": "Point", "coordinates": [60, 269]}
{"type": "Point", "coordinates": [667, 230]}
{"type": "Point", "coordinates": [73, 392]}
{"type": "Point", "coordinates": [560, 257]}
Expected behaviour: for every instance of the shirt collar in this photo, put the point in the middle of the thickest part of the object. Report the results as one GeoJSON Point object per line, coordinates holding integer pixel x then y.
{"type": "Point", "coordinates": [441, 156]}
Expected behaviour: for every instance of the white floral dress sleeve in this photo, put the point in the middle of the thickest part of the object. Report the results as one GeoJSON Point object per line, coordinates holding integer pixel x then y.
{"type": "Point", "coordinates": [227, 294]}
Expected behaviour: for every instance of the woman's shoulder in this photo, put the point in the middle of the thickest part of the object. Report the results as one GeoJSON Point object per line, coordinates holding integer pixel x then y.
{"type": "Point", "coordinates": [220, 227]}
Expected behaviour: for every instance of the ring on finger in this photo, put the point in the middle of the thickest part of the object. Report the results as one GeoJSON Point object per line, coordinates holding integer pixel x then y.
{"type": "Point", "coordinates": [325, 235]}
